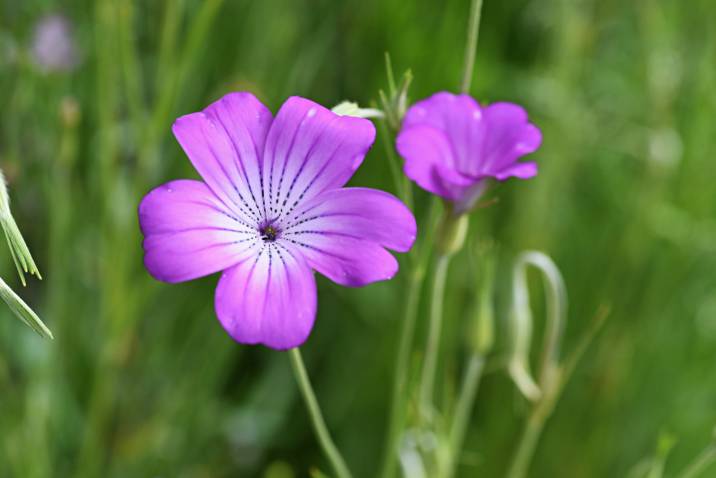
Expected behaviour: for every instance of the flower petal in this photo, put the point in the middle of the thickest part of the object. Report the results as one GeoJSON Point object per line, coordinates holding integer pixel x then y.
{"type": "Point", "coordinates": [524, 170]}
{"type": "Point", "coordinates": [269, 299]}
{"type": "Point", "coordinates": [189, 233]}
{"type": "Point", "coordinates": [458, 117]}
{"type": "Point", "coordinates": [224, 143]}
{"type": "Point", "coordinates": [309, 150]}
{"type": "Point", "coordinates": [510, 136]}
{"type": "Point", "coordinates": [360, 213]}
{"type": "Point", "coordinates": [344, 259]}
{"type": "Point", "coordinates": [429, 161]}
{"type": "Point", "coordinates": [475, 142]}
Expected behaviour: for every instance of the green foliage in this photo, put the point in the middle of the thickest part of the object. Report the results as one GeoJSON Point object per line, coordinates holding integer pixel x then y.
{"type": "Point", "coordinates": [142, 381]}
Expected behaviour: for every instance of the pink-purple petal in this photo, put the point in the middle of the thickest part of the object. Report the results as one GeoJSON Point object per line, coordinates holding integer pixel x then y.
{"type": "Point", "coordinates": [286, 173]}
{"type": "Point", "coordinates": [245, 119]}
{"type": "Point", "coordinates": [510, 136]}
{"type": "Point", "coordinates": [429, 161]}
{"type": "Point", "coordinates": [224, 143]}
{"type": "Point", "coordinates": [524, 170]}
{"type": "Point", "coordinates": [189, 233]}
{"type": "Point", "coordinates": [423, 148]}
{"type": "Point", "coordinates": [268, 299]}
{"type": "Point", "coordinates": [345, 260]}
{"type": "Point", "coordinates": [451, 145]}
{"type": "Point", "coordinates": [458, 117]}
{"type": "Point", "coordinates": [309, 150]}
{"type": "Point", "coordinates": [360, 213]}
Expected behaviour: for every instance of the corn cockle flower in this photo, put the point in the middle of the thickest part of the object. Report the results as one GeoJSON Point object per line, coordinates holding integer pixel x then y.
{"type": "Point", "coordinates": [270, 210]}
{"type": "Point", "coordinates": [452, 146]}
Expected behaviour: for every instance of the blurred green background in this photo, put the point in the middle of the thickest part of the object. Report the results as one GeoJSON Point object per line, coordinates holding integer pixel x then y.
{"type": "Point", "coordinates": [142, 381]}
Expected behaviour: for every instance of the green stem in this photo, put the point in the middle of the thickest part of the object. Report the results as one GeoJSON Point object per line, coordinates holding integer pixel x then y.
{"type": "Point", "coordinates": [319, 425]}
{"type": "Point", "coordinates": [552, 381]}
{"type": "Point", "coordinates": [551, 385]}
{"type": "Point", "coordinates": [132, 75]}
{"type": "Point", "coordinates": [473, 30]}
{"type": "Point", "coordinates": [167, 95]}
{"type": "Point", "coordinates": [463, 409]}
{"type": "Point", "coordinates": [92, 452]}
{"type": "Point", "coordinates": [400, 378]}
{"type": "Point", "coordinates": [528, 443]}
{"type": "Point", "coordinates": [399, 396]}
{"type": "Point", "coordinates": [408, 191]}
{"type": "Point", "coordinates": [436, 315]}
{"type": "Point", "coordinates": [170, 30]}
{"type": "Point", "coordinates": [393, 162]}
{"type": "Point", "coordinates": [700, 463]}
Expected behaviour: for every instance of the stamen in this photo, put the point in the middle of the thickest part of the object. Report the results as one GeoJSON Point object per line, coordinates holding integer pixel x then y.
{"type": "Point", "coordinates": [268, 233]}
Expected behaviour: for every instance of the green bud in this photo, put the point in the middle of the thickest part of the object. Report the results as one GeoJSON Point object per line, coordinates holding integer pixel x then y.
{"type": "Point", "coordinates": [350, 108]}
{"type": "Point", "coordinates": [395, 102]}
{"type": "Point", "coordinates": [401, 96]}
{"type": "Point", "coordinates": [452, 231]}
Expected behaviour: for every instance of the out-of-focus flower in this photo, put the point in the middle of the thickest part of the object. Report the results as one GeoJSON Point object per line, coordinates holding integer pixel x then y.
{"type": "Point", "coordinates": [452, 146]}
{"type": "Point", "coordinates": [270, 211]}
{"type": "Point", "coordinates": [53, 46]}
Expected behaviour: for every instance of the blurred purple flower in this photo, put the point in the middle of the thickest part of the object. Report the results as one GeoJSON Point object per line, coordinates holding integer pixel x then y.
{"type": "Point", "coordinates": [272, 209]}
{"type": "Point", "coordinates": [53, 46]}
{"type": "Point", "coordinates": [452, 146]}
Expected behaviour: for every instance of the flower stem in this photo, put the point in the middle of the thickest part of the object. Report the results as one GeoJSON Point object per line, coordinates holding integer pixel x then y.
{"type": "Point", "coordinates": [393, 162]}
{"type": "Point", "coordinates": [319, 425]}
{"type": "Point", "coordinates": [705, 459]}
{"type": "Point", "coordinates": [436, 314]}
{"type": "Point", "coordinates": [528, 442]}
{"type": "Point", "coordinates": [465, 402]}
{"type": "Point", "coordinates": [400, 379]}
{"type": "Point", "coordinates": [552, 380]}
{"type": "Point", "coordinates": [399, 395]}
{"type": "Point", "coordinates": [473, 30]}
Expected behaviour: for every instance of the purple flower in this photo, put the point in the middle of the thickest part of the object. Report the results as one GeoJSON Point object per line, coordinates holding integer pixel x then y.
{"type": "Point", "coordinates": [270, 211]}
{"type": "Point", "coordinates": [53, 46]}
{"type": "Point", "coordinates": [452, 146]}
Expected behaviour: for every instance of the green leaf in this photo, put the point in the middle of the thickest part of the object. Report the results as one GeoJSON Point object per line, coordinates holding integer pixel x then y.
{"type": "Point", "coordinates": [18, 249]}
{"type": "Point", "coordinates": [23, 311]}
